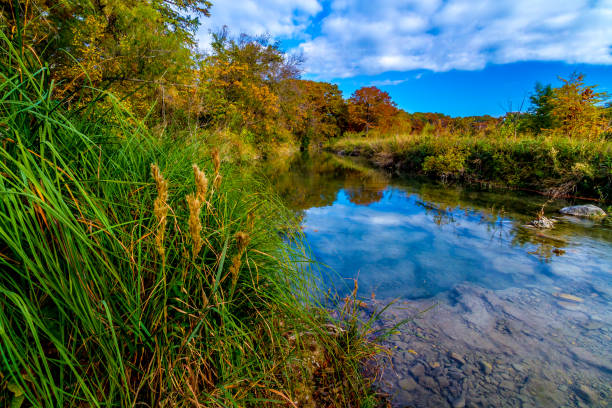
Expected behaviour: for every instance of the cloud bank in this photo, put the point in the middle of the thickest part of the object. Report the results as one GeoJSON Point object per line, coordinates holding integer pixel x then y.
{"type": "Point", "coordinates": [282, 19]}
{"type": "Point", "coordinates": [358, 37]}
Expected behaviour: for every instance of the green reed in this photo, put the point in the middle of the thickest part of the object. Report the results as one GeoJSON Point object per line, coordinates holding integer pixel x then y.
{"type": "Point", "coordinates": [129, 280]}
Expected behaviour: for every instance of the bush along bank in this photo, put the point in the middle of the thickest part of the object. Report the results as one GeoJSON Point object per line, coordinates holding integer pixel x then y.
{"type": "Point", "coordinates": [551, 165]}
{"type": "Point", "coordinates": [138, 270]}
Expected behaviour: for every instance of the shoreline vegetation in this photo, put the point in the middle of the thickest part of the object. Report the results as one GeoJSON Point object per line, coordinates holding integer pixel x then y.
{"type": "Point", "coordinates": [144, 270]}
{"type": "Point", "coordinates": [554, 166]}
{"type": "Point", "coordinates": [144, 264]}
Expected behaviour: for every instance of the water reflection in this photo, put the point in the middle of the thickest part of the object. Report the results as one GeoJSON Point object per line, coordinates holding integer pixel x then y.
{"type": "Point", "coordinates": [522, 316]}
{"type": "Point", "coordinates": [306, 182]}
{"type": "Point", "coordinates": [414, 238]}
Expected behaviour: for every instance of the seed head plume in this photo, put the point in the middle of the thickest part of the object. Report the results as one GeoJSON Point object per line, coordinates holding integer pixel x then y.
{"type": "Point", "coordinates": [160, 207]}
{"type": "Point", "coordinates": [201, 183]}
{"type": "Point", "coordinates": [217, 163]}
{"type": "Point", "coordinates": [242, 240]}
{"type": "Point", "coordinates": [195, 226]}
{"type": "Point", "coordinates": [217, 181]}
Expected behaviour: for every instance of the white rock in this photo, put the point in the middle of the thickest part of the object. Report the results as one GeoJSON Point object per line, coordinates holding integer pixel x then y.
{"type": "Point", "coordinates": [588, 210]}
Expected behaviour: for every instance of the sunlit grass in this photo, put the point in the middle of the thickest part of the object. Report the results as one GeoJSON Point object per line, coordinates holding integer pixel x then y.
{"type": "Point", "coordinates": [128, 280]}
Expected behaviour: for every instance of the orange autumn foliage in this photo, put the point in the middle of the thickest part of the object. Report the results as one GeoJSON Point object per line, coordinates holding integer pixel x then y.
{"type": "Point", "coordinates": [369, 107]}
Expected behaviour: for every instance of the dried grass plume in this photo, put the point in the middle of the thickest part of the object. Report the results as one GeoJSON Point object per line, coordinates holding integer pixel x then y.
{"type": "Point", "coordinates": [242, 240]}
{"type": "Point", "coordinates": [201, 183]}
{"type": "Point", "coordinates": [160, 207]}
{"type": "Point", "coordinates": [195, 225]}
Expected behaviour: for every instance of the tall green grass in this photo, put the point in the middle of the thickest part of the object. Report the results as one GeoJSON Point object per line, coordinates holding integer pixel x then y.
{"type": "Point", "coordinates": [95, 311]}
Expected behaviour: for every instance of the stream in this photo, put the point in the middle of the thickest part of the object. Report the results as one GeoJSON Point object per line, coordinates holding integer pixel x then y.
{"type": "Point", "coordinates": [498, 314]}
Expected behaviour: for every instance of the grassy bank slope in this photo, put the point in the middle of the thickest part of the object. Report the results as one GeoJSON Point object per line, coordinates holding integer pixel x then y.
{"type": "Point", "coordinates": [554, 165]}
{"type": "Point", "coordinates": [140, 271]}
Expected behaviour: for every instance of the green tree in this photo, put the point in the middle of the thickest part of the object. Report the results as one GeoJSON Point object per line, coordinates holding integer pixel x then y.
{"type": "Point", "coordinates": [133, 48]}
{"type": "Point", "coordinates": [313, 111]}
{"type": "Point", "coordinates": [241, 80]}
{"type": "Point", "coordinates": [539, 115]}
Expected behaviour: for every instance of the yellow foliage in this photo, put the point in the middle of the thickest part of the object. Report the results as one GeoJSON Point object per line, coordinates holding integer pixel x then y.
{"type": "Point", "coordinates": [574, 108]}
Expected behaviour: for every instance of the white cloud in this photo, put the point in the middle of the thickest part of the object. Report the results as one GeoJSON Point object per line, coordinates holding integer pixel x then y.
{"type": "Point", "coordinates": [388, 82]}
{"type": "Point", "coordinates": [366, 37]}
{"type": "Point", "coordinates": [279, 18]}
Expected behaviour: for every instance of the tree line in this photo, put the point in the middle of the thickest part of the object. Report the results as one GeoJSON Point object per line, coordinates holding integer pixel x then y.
{"type": "Point", "coordinates": [146, 53]}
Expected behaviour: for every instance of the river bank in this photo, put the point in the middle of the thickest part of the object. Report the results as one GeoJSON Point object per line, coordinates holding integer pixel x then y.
{"type": "Point", "coordinates": [551, 165]}
{"type": "Point", "coordinates": [146, 269]}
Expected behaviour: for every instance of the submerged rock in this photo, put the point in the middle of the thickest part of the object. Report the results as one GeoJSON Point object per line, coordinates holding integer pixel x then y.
{"type": "Point", "coordinates": [428, 382]}
{"type": "Point", "coordinates": [593, 325]}
{"type": "Point", "coordinates": [485, 367]}
{"type": "Point", "coordinates": [458, 402]}
{"type": "Point", "coordinates": [457, 357]}
{"type": "Point", "coordinates": [568, 297]}
{"type": "Point", "coordinates": [587, 357]}
{"type": "Point", "coordinates": [587, 394]}
{"type": "Point", "coordinates": [418, 370]}
{"type": "Point", "coordinates": [588, 210]}
{"type": "Point", "coordinates": [542, 222]}
{"type": "Point", "coordinates": [407, 384]}
{"type": "Point", "coordinates": [517, 347]}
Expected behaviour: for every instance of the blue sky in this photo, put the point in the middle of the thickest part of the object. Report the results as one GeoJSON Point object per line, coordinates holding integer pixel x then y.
{"type": "Point", "coordinates": [459, 57]}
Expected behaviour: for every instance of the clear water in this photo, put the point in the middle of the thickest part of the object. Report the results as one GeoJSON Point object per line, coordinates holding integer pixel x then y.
{"type": "Point", "coordinates": [413, 239]}
{"type": "Point", "coordinates": [532, 305]}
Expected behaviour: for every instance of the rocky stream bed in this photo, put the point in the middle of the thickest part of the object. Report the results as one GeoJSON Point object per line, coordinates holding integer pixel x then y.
{"type": "Point", "coordinates": [520, 285]}
{"type": "Point", "coordinates": [526, 347]}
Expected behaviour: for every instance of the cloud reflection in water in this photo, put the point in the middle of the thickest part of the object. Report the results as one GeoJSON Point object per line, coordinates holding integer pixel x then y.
{"type": "Point", "coordinates": [402, 246]}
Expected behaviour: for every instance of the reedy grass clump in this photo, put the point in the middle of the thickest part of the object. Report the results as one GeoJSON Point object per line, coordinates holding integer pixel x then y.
{"type": "Point", "coordinates": [116, 290]}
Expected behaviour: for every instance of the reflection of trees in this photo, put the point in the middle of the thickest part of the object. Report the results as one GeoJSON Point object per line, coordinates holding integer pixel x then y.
{"type": "Point", "coordinates": [314, 181]}
{"type": "Point", "coordinates": [444, 196]}
{"type": "Point", "coordinates": [364, 195]}
{"type": "Point", "coordinates": [442, 202]}
{"type": "Point", "coordinates": [546, 244]}
{"type": "Point", "coordinates": [441, 216]}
